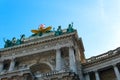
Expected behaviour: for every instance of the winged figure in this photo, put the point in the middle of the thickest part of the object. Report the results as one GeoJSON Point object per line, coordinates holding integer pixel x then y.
{"type": "Point", "coordinates": [41, 29]}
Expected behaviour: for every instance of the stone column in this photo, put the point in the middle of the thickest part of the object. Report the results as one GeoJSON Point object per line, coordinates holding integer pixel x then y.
{"type": "Point", "coordinates": [25, 77]}
{"type": "Point", "coordinates": [12, 65]}
{"type": "Point", "coordinates": [1, 66]}
{"type": "Point", "coordinates": [72, 59]}
{"type": "Point", "coordinates": [58, 59]}
{"type": "Point", "coordinates": [117, 73]}
{"type": "Point", "coordinates": [97, 75]}
{"type": "Point", "coordinates": [87, 77]}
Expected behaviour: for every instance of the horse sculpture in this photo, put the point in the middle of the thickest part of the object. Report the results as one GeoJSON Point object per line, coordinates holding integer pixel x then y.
{"type": "Point", "coordinates": [14, 41]}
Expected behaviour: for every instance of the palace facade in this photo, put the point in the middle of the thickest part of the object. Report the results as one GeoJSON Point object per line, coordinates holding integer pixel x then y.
{"type": "Point", "coordinates": [56, 55]}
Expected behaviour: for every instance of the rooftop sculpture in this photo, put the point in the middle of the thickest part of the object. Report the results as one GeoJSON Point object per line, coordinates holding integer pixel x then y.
{"type": "Point", "coordinates": [70, 28]}
{"type": "Point", "coordinates": [14, 41]}
{"type": "Point", "coordinates": [59, 31]}
{"type": "Point", "coordinates": [41, 31]}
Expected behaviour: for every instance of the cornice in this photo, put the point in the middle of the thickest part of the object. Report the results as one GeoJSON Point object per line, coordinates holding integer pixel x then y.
{"type": "Point", "coordinates": [110, 55]}
{"type": "Point", "coordinates": [16, 72]}
{"type": "Point", "coordinates": [101, 66]}
{"type": "Point", "coordinates": [38, 40]}
{"type": "Point", "coordinates": [39, 46]}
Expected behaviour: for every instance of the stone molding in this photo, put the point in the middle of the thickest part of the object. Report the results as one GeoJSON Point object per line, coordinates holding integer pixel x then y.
{"type": "Point", "coordinates": [97, 66]}
{"type": "Point", "coordinates": [16, 72]}
{"type": "Point", "coordinates": [38, 41]}
{"type": "Point", "coordinates": [38, 47]}
{"type": "Point", "coordinates": [110, 55]}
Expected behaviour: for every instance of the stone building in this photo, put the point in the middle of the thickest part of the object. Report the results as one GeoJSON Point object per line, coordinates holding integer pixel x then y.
{"type": "Point", "coordinates": [56, 55]}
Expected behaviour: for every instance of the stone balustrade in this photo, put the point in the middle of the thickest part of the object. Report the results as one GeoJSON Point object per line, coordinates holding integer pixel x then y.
{"type": "Point", "coordinates": [103, 56]}
{"type": "Point", "coordinates": [48, 74]}
{"type": "Point", "coordinates": [20, 72]}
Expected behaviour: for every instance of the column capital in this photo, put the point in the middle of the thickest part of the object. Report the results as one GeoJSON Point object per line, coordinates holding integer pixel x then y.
{"type": "Point", "coordinates": [87, 77]}
{"type": "Point", "coordinates": [97, 75]}
{"type": "Point", "coordinates": [13, 58]}
{"type": "Point", "coordinates": [87, 72]}
{"type": "Point", "coordinates": [57, 48]}
{"type": "Point", "coordinates": [114, 65]}
{"type": "Point", "coordinates": [117, 73]}
{"type": "Point", "coordinates": [1, 60]}
{"type": "Point", "coordinates": [70, 46]}
{"type": "Point", "coordinates": [96, 70]}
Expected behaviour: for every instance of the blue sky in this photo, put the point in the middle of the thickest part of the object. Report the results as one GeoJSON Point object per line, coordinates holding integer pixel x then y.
{"type": "Point", "coordinates": [97, 21]}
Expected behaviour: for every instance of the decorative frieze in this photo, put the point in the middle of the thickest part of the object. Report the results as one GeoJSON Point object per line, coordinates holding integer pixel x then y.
{"type": "Point", "coordinates": [38, 48]}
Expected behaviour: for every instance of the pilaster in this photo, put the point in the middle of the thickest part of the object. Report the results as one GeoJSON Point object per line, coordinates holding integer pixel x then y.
{"type": "Point", "coordinates": [97, 75]}
{"type": "Point", "coordinates": [58, 59]}
{"type": "Point", "coordinates": [12, 64]}
{"type": "Point", "coordinates": [117, 73]}
{"type": "Point", "coordinates": [87, 77]}
{"type": "Point", "coordinates": [72, 60]}
{"type": "Point", "coordinates": [1, 65]}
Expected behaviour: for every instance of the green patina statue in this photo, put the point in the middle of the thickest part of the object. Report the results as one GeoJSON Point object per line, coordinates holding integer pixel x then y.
{"type": "Point", "coordinates": [22, 39]}
{"type": "Point", "coordinates": [59, 31]}
{"type": "Point", "coordinates": [7, 43]}
{"type": "Point", "coordinates": [41, 30]}
{"type": "Point", "coordinates": [70, 28]}
{"type": "Point", "coordinates": [14, 41]}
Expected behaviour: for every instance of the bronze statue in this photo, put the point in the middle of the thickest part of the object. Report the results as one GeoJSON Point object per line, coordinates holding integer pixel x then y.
{"type": "Point", "coordinates": [59, 31]}
{"type": "Point", "coordinates": [70, 28]}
